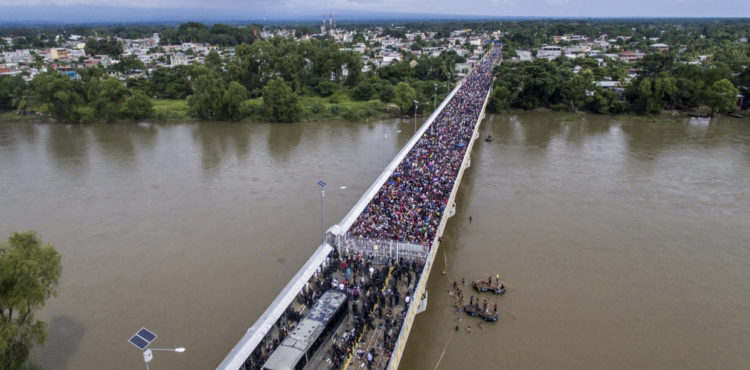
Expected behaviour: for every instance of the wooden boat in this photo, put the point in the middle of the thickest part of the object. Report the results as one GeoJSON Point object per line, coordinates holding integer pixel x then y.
{"type": "Point", "coordinates": [484, 286]}
{"type": "Point", "coordinates": [736, 115]}
{"type": "Point", "coordinates": [489, 139]}
{"type": "Point", "coordinates": [477, 311]}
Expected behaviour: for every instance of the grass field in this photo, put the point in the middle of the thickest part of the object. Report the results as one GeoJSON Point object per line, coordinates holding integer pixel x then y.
{"type": "Point", "coordinates": [165, 110]}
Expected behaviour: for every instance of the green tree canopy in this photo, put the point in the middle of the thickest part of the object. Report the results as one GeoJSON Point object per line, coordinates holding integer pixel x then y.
{"type": "Point", "coordinates": [139, 106]}
{"type": "Point", "coordinates": [29, 274]}
{"type": "Point", "coordinates": [208, 97]}
{"type": "Point", "coordinates": [281, 101]}
{"type": "Point", "coordinates": [721, 96]}
{"type": "Point", "coordinates": [499, 99]}
{"type": "Point", "coordinates": [404, 96]}
{"type": "Point", "coordinates": [110, 46]}
{"type": "Point", "coordinates": [59, 95]}
{"type": "Point", "coordinates": [234, 96]}
{"type": "Point", "coordinates": [12, 91]}
{"type": "Point", "coordinates": [108, 99]}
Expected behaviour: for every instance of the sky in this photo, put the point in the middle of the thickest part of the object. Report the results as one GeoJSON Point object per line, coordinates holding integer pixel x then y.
{"type": "Point", "coordinates": [258, 9]}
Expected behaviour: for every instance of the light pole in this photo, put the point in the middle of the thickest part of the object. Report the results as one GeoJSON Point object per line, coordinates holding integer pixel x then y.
{"type": "Point", "coordinates": [322, 185]}
{"type": "Point", "coordinates": [148, 356]}
{"type": "Point", "coordinates": [416, 105]}
{"type": "Point", "coordinates": [385, 136]}
{"type": "Point", "coordinates": [434, 97]}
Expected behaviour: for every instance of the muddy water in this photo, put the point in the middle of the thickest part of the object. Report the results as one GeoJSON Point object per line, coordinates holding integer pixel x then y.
{"type": "Point", "coordinates": [625, 242]}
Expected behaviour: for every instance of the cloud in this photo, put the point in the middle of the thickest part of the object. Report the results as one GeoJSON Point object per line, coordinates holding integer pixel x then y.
{"type": "Point", "coordinates": [500, 3]}
{"type": "Point", "coordinates": [213, 4]}
{"type": "Point", "coordinates": [368, 2]}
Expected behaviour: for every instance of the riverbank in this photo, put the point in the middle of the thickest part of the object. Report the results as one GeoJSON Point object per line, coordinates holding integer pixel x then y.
{"type": "Point", "coordinates": [338, 107]}
{"type": "Point", "coordinates": [342, 108]}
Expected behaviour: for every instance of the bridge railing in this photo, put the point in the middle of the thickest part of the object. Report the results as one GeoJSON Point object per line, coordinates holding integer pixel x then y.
{"type": "Point", "coordinates": [383, 248]}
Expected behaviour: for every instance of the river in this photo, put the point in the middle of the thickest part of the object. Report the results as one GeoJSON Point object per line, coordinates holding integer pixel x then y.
{"type": "Point", "coordinates": [625, 242]}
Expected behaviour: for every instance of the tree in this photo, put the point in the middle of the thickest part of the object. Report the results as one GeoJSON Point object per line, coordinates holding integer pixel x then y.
{"type": "Point", "coordinates": [12, 89]}
{"type": "Point", "coordinates": [60, 95]}
{"type": "Point", "coordinates": [108, 100]}
{"type": "Point", "coordinates": [499, 99]}
{"type": "Point", "coordinates": [281, 101]}
{"type": "Point", "coordinates": [363, 91]}
{"type": "Point", "coordinates": [139, 106]}
{"type": "Point", "coordinates": [110, 46]}
{"type": "Point", "coordinates": [208, 97]}
{"type": "Point", "coordinates": [29, 274]}
{"type": "Point", "coordinates": [721, 96]}
{"type": "Point", "coordinates": [213, 60]}
{"type": "Point", "coordinates": [126, 65]}
{"type": "Point", "coordinates": [404, 96]}
{"type": "Point", "coordinates": [580, 85]}
{"type": "Point", "coordinates": [234, 96]}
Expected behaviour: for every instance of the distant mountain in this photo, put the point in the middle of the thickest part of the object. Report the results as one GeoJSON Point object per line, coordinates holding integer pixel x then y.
{"type": "Point", "coordinates": [80, 14]}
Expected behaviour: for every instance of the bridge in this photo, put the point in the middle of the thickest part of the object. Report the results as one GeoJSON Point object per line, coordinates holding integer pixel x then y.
{"type": "Point", "coordinates": [395, 230]}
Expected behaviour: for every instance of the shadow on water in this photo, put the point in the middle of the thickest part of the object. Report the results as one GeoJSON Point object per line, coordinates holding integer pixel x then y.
{"type": "Point", "coordinates": [283, 139]}
{"type": "Point", "coordinates": [64, 335]}
{"type": "Point", "coordinates": [647, 140]}
{"type": "Point", "coordinates": [538, 133]}
{"type": "Point", "coordinates": [68, 145]}
{"type": "Point", "coordinates": [221, 141]}
{"type": "Point", "coordinates": [121, 142]}
{"type": "Point", "coordinates": [12, 133]}
{"type": "Point", "coordinates": [577, 131]}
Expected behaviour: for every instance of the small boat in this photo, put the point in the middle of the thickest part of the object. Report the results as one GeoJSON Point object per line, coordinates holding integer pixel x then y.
{"type": "Point", "coordinates": [489, 138]}
{"type": "Point", "coordinates": [699, 115]}
{"type": "Point", "coordinates": [736, 115]}
{"type": "Point", "coordinates": [484, 286]}
{"type": "Point", "coordinates": [476, 311]}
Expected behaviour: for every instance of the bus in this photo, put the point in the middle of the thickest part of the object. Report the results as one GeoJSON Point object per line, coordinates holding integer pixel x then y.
{"type": "Point", "coordinates": [300, 345]}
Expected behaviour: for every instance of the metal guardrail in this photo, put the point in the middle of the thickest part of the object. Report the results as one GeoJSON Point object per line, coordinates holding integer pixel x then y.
{"type": "Point", "coordinates": [383, 248]}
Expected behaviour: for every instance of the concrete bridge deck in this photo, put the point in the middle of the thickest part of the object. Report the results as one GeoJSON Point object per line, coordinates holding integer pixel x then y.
{"type": "Point", "coordinates": [337, 237]}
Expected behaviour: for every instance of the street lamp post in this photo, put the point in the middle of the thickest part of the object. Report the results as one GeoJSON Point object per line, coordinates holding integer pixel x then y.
{"type": "Point", "coordinates": [322, 185]}
{"type": "Point", "coordinates": [148, 356]}
{"type": "Point", "coordinates": [385, 137]}
{"type": "Point", "coordinates": [434, 97]}
{"type": "Point", "coordinates": [416, 105]}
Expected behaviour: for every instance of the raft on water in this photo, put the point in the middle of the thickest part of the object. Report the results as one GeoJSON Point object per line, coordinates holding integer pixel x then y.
{"type": "Point", "coordinates": [484, 286]}
{"type": "Point", "coordinates": [478, 312]}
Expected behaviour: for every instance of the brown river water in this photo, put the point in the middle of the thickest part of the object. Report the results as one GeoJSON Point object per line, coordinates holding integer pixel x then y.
{"type": "Point", "coordinates": [626, 243]}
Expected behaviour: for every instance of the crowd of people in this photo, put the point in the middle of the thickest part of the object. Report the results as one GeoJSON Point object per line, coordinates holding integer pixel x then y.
{"type": "Point", "coordinates": [374, 301]}
{"type": "Point", "coordinates": [381, 310]}
{"type": "Point", "coordinates": [409, 205]}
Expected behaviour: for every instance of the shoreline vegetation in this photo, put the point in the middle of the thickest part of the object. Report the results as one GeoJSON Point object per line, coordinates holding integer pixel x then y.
{"type": "Point", "coordinates": [173, 111]}
{"type": "Point", "coordinates": [314, 109]}
{"type": "Point", "coordinates": [276, 73]}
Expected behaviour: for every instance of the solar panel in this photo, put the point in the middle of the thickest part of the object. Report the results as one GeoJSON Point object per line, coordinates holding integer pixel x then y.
{"type": "Point", "coordinates": [138, 342]}
{"type": "Point", "coordinates": [142, 338]}
{"type": "Point", "coordinates": [147, 335]}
